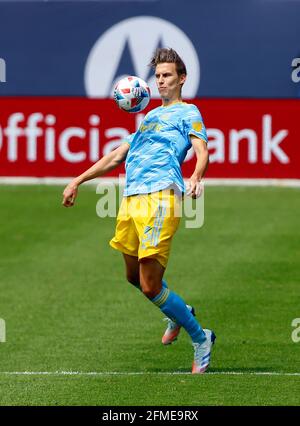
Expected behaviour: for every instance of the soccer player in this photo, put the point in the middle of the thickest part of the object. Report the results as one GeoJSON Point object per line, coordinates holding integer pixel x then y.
{"type": "Point", "coordinates": [147, 218]}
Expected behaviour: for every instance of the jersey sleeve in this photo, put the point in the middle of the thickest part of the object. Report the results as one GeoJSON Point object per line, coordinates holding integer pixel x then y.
{"type": "Point", "coordinates": [129, 138]}
{"type": "Point", "coordinates": [193, 124]}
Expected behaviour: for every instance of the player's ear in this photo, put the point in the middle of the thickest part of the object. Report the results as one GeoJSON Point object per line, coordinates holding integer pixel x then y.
{"type": "Point", "coordinates": [182, 78]}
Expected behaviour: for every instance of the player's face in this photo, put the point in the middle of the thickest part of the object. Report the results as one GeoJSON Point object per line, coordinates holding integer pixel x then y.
{"type": "Point", "coordinates": [169, 83]}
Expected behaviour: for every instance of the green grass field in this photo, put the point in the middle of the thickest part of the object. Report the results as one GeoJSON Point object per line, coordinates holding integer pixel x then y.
{"type": "Point", "coordinates": [67, 305]}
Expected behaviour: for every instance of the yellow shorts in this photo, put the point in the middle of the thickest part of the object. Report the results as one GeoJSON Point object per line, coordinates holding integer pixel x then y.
{"type": "Point", "coordinates": [146, 224]}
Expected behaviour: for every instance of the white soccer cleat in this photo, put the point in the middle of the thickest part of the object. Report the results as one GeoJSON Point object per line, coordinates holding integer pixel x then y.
{"type": "Point", "coordinates": [202, 353]}
{"type": "Point", "coordinates": [173, 329]}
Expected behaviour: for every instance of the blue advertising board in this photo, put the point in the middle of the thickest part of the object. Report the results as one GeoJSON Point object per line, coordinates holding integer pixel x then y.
{"type": "Point", "coordinates": [232, 49]}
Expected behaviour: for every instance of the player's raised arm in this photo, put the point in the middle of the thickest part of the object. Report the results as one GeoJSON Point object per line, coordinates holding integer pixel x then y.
{"type": "Point", "coordinates": [104, 165]}
{"type": "Point", "coordinates": [200, 147]}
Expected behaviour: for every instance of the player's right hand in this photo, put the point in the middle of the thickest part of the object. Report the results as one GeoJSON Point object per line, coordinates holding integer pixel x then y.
{"type": "Point", "coordinates": [194, 188]}
{"type": "Point", "coordinates": [69, 194]}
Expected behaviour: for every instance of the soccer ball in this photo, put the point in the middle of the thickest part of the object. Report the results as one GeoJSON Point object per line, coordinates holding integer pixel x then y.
{"type": "Point", "coordinates": [132, 94]}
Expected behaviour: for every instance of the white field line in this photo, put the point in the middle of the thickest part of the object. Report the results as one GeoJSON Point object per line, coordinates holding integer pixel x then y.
{"type": "Point", "coordinates": [143, 373]}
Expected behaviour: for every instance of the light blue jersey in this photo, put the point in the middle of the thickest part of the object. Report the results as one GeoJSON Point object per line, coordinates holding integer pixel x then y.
{"type": "Point", "coordinates": [159, 147]}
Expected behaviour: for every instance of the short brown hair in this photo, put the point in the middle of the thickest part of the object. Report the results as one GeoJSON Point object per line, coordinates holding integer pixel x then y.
{"type": "Point", "coordinates": [162, 55]}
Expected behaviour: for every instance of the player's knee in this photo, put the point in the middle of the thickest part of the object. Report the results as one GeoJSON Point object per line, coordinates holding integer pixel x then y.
{"type": "Point", "coordinates": [150, 292]}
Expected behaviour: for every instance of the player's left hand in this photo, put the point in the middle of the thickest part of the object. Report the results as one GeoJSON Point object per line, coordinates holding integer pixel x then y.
{"type": "Point", "coordinates": [195, 188]}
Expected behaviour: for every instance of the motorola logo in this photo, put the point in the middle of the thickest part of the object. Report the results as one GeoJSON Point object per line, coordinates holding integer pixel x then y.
{"type": "Point", "coordinates": [126, 49]}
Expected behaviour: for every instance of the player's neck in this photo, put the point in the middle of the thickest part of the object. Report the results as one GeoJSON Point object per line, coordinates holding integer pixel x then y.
{"type": "Point", "coordinates": [168, 102]}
